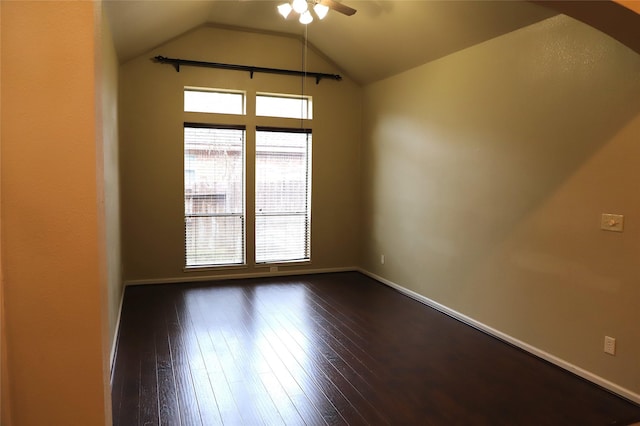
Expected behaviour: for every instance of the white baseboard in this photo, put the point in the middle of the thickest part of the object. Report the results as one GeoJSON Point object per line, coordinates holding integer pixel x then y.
{"type": "Point", "coordinates": [619, 390]}
{"type": "Point", "coordinates": [265, 274]}
{"type": "Point", "coordinates": [116, 333]}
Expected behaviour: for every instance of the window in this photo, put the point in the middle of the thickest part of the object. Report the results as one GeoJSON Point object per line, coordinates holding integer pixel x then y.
{"type": "Point", "coordinates": [283, 195]}
{"type": "Point", "coordinates": [214, 195]}
{"type": "Point", "coordinates": [285, 106]}
{"type": "Point", "coordinates": [213, 101]}
{"type": "Point", "coordinates": [215, 173]}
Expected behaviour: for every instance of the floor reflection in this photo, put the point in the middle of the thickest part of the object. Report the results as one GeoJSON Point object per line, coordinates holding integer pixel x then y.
{"type": "Point", "coordinates": [254, 342]}
{"type": "Point", "coordinates": [328, 349]}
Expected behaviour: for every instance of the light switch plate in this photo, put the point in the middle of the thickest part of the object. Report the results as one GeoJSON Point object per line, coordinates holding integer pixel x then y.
{"type": "Point", "coordinates": [612, 222]}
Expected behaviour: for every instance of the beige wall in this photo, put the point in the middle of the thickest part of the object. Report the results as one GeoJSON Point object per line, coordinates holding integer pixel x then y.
{"type": "Point", "coordinates": [53, 262]}
{"type": "Point", "coordinates": [109, 104]}
{"type": "Point", "coordinates": [485, 174]}
{"type": "Point", "coordinates": [151, 120]}
{"type": "Point", "coordinates": [5, 417]}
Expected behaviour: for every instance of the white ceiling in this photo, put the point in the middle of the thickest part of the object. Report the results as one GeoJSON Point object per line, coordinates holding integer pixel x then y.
{"type": "Point", "coordinates": [383, 38]}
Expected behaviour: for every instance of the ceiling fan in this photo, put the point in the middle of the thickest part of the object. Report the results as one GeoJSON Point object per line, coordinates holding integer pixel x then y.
{"type": "Point", "coordinates": [338, 7]}
{"type": "Point", "coordinates": [320, 9]}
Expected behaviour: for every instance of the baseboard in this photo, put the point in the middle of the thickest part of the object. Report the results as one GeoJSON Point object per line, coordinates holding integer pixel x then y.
{"type": "Point", "coordinates": [619, 390]}
{"type": "Point", "coordinates": [114, 344]}
{"type": "Point", "coordinates": [265, 274]}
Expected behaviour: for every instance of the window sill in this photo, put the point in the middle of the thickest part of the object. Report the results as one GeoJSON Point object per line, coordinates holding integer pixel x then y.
{"type": "Point", "coordinates": [214, 268]}
{"type": "Point", "coordinates": [283, 263]}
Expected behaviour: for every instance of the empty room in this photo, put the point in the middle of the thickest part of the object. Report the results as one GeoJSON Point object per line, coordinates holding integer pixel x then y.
{"type": "Point", "coordinates": [237, 212]}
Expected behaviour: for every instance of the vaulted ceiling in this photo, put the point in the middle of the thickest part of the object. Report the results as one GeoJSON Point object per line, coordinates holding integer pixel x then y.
{"type": "Point", "coordinates": [383, 38]}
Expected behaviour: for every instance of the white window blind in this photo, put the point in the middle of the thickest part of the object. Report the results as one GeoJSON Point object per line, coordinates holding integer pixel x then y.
{"type": "Point", "coordinates": [214, 195]}
{"type": "Point", "coordinates": [283, 195]}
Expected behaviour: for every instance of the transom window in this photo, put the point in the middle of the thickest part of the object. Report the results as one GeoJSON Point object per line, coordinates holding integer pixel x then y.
{"type": "Point", "coordinates": [214, 101]}
{"type": "Point", "coordinates": [285, 106]}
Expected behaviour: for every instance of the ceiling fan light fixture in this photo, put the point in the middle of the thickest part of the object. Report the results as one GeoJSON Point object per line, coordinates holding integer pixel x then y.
{"type": "Point", "coordinates": [300, 6]}
{"type": "Point", "coordinates": [285, 9]}
{"type": "Point", "coordinates": [306, 18]}
{"type": "Point", "coordinates": [321, 10]}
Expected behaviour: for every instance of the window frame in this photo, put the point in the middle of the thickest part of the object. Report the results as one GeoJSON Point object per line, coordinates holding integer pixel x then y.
{"type": "Point", "coordinates": [249, 121]}
{"type": "Point", "coordinates": [308, 184]}
{"type": "Point", "coordinates": [242, 215]}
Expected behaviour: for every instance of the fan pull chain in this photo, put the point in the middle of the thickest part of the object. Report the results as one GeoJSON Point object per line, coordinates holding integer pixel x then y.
{"type": "Point", "coordinates": [304, 70]}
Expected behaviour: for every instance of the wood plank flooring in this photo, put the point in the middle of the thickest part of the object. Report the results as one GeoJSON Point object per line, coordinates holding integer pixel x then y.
{"type": "Point", "coordinates": [332, 349]}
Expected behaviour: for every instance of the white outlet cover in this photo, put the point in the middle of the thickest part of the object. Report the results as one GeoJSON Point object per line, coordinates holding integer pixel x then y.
{"type": "Point", "coordinates": [609, 345]}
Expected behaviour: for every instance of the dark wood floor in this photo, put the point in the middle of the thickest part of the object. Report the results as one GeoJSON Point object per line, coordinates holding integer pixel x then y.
{"type": "Point", "coordinates": [330, 349]}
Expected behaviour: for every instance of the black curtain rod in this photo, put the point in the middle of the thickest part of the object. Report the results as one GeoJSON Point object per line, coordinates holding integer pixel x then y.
{"type": "Point", "coordinates": [250, 69]}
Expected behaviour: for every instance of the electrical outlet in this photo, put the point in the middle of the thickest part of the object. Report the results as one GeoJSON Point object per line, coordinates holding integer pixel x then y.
{"type": "Point", "coordinates": [382, 259]}
{"type": "Point", "coordinates": [273, 269]}
{"type": "Point", "coordinates": [609, 345]}
{"type": "Point", "coordinates": [612, 222]}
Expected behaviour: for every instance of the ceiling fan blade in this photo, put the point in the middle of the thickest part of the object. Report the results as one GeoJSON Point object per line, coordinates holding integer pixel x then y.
{"type": "Point", "coordinates": [338, 7]}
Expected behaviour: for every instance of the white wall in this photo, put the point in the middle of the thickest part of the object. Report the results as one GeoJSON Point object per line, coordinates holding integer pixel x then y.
{"type": "Point", "coordinates": [111, 174]}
